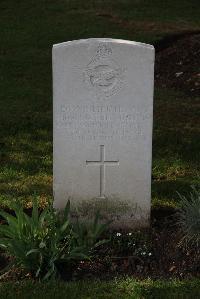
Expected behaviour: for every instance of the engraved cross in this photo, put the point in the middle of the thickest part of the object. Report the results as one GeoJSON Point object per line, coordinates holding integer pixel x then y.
{"type": "Point", "coordinates": [102, 163]}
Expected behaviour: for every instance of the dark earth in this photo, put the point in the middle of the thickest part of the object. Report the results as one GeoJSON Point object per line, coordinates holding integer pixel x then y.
{"type": "Point", "coordinates": [156, 252]}
{"type": "Point", "coordinates": [177, 66]}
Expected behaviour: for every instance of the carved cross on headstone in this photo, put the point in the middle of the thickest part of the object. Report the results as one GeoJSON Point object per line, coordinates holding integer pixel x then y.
{"type": "Point", "coordinates": [102, 163]}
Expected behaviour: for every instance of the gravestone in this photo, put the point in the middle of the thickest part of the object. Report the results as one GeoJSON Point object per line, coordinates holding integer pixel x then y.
{"type": "Point", "coordinates": [103, 111]}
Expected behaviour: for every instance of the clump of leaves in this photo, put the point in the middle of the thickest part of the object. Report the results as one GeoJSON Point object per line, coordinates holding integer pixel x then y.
{"type": "Point", "coordinates": [44, 243]}
{"type": "Point", "coordinates": [188, 217]}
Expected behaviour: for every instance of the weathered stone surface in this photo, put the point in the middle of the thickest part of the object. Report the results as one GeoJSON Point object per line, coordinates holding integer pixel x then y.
{"type": "Point", "coordinates": [103, 111]}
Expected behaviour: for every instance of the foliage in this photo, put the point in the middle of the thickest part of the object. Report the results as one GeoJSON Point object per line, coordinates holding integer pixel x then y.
{"type": "Point", "coordinates": [43, 243]}
{"type": "Point", "coordinates": [189, 218]}
{"type": "Point", "coordinates": [86, 234]}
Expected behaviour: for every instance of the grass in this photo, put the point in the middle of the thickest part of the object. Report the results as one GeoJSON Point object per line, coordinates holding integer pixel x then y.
{"type": "Point", "coordinates": [122, 289]}
{"type": "Point", "coordinates": [28, 30]}
{"type": "Point", "coordinates": [176, 146]}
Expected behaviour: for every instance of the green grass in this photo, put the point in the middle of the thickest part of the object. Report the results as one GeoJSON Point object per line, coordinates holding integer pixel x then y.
{"type": "Point", "coordinates": [122, 289]}
{"type": "Point", "coordinates": [176, 146]}
{"type": "Point", "coordinates": [28, 31]}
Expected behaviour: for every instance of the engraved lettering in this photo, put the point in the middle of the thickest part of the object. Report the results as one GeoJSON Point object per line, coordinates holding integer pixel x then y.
{"type": "Point", "coordinates": [102, 122]}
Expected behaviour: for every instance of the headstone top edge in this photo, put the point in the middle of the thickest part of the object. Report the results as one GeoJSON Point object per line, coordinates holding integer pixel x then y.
{"type": "Point", "coordinates": [103, 40]}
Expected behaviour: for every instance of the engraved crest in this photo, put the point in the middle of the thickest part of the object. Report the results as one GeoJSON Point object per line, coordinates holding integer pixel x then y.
{"type": "Point", "coordinates": [103, 75]}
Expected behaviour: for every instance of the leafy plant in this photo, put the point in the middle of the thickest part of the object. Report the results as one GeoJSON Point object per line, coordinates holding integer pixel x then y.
{"type": "Point", "coordinates": [188, 217]}
{"type": "Point", "coordinates": [43, 243]}
{"type": "Point", "coordinates": [86, 234]}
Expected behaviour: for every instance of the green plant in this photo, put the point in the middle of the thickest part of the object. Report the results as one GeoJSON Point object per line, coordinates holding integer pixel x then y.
{"type": "Point", "coordinates": [47, 243]}
{"type": "Point", "coordinates": [85, 235]}
{"type": "Point", "coordinates": [188, 216]}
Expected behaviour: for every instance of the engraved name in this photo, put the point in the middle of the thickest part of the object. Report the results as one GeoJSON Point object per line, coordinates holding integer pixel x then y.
{"type": "Point", "coordinates": [100, 122]}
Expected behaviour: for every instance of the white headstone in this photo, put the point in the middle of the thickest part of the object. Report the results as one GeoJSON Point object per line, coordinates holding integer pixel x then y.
{"type": "Point", "coordinates": [103, 111]}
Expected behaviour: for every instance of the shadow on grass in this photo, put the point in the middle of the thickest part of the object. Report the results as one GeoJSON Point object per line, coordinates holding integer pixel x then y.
{"type": "Point", "coordinates": [165, 192]}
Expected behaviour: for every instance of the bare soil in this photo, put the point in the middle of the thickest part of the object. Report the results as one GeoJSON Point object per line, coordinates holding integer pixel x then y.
{"type": "Point", "coordinates": [164, 258]}
{"type": "Point", "coordinates": [177, 64]}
